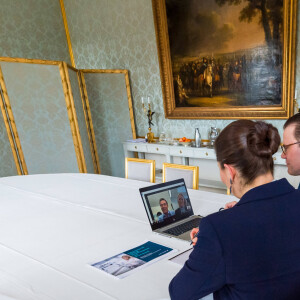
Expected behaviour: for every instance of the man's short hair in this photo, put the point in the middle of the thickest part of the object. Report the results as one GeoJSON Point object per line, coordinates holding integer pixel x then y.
{"type": "Point", "coordinates": [181, 195]}
{"type": "Point", "coordinates": [294, 120]}
{"type": "Point", "coordinates": [163, 199]}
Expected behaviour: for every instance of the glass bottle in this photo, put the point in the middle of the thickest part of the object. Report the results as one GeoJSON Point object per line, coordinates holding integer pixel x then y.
{"type": "Point", "coordinates": [197, 138]}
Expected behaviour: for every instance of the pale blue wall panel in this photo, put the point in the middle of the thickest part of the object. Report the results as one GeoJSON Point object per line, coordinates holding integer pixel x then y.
{"type": "Point", "coordinates": [38, 105]}
{"type": "Point", "coordinates": [110, 114]}
{"type": "Point", "coordinates": [33, 29]}
{"type": "Point", "coordinates": [7, 163]}
{"type": "Point", "coordinates": [81, 121]}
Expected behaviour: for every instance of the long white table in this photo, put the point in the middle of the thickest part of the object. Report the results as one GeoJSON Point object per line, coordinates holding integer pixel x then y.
{"type": "Point", "coordinates": [52, 227]}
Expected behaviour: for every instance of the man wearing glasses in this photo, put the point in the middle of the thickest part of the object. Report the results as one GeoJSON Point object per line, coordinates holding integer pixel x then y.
{"type": "Point", "coordinates": [290, 148]}
{"type": "Point", "coordinates": [291, 145]}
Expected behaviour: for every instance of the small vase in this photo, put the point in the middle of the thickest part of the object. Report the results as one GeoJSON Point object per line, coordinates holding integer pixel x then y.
{"type": "Point", "coordinates": [197, 138]}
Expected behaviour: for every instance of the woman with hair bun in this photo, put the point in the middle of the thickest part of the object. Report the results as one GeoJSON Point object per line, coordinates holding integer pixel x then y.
{"type": "Point", "coordinates": [252, 250]}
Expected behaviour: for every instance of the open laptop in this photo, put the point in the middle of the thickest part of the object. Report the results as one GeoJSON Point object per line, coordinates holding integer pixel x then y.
{"type": "Point", "coordinates": [169, 209]}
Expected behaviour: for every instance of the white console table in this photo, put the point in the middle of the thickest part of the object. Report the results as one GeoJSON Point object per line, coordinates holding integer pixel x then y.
{"type": "Point", "coordinates": [203, 157]}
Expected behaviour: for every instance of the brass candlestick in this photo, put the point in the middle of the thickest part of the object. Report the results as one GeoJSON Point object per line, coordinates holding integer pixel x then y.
{"type": "Point", "coordinates": [150, 113]}
{"type": "Point", "coordinates": [150, 136]}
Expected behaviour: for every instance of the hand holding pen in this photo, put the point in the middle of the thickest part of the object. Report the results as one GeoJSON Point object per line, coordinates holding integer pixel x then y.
{"type": "Point", "coordinates": [195, 231]}
{"type": "Point", "coordinates": [194, 236]}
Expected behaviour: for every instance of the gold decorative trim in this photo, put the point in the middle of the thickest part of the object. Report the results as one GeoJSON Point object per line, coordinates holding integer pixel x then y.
{"type": "Point", "coordinates": [71, 118]}
{"type": "Point", "coordinates": [290, 26]}
{"type": "Point", "coordinates": [63, 12]}
{"type": "Point", "coordinates": [75, 117]}
{"type": "Point", "coordinates": [30, 61]}
{"type": "Point", "coordinates": [140, 160]}
{"type": "Point", "coordinates": [88, 127]}
{"type": "Point", "coordinates": [127, 84]}
{"type": "Point", "coordinates": [89, 123]}
{"type": "Point", "coordinates": [87, 109]}
{"type": "Point", "coordinates": [112, 71]}
{"type": "Point", "coordinates": [194, 169]}
{"type": "Point", "coordinates": [14, 135]}
{"type": "Point", "coordinates": [72, 68]}
{"type": "Point", "coordinates": [164, 58]}
{"type": "Point", "coordinates": [282, 111]}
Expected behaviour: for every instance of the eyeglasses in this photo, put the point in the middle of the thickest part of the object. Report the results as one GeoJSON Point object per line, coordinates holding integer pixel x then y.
{"type": "Point", "coordinates": [285, 147]}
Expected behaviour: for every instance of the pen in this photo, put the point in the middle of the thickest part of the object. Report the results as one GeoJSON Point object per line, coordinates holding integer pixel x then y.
{"type": "Point", "coordinates": [196, 235]}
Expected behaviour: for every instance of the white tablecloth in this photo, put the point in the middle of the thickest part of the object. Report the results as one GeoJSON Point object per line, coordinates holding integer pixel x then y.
{"type": "Point", "coordinates": [52, 227]}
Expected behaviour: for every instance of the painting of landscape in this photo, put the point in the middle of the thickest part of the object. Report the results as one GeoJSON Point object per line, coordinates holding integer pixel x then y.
{"type": "Point", "coordinates": [226, 53]}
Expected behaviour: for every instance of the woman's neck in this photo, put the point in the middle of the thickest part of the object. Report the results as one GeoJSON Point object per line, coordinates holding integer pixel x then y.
{"type": "Point", "coordinates": [260, 180]}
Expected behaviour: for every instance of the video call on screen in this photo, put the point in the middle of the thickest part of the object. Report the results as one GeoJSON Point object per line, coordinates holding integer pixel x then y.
{"type": "Point", "coordinates": [168, 205]}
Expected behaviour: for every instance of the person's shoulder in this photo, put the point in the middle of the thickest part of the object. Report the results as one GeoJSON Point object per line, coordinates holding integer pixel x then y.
{"type": "Point", "coordinates": [297, 191]}
{"type": "Point", "coordinates": [219, 216]}
{"type": "Point", "coordinates": [288, 189]}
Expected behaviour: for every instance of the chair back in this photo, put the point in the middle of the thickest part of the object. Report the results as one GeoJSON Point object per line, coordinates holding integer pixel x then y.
{"type": "Point", "coordinates": [190, 174]}
{"type": "Point", "coordinates": [140, 169]}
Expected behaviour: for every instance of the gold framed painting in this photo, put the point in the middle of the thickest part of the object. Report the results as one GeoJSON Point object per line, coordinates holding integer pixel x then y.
{"type": "Point", "coordinates": [225, 59]}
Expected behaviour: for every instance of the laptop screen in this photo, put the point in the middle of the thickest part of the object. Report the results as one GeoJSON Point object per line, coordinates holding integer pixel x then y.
{"type": "Point", "coordinates": [166, 203]}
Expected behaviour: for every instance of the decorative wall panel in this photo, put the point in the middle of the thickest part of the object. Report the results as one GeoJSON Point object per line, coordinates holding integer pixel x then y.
{"type": "Point", "coordinates": [8, 165]}
{"type": "Point", "coordinates": [84, 134]}
{"type": "Point", "coordinates": [39, 109]}
{"type": "Point", "coordinates": [33, 29]}
{"type": "Point", "coordinates": [108, 100]}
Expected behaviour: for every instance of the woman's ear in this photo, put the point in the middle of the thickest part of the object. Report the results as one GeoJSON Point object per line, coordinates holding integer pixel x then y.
{"type": "Point", "coordinates": [231, 171]}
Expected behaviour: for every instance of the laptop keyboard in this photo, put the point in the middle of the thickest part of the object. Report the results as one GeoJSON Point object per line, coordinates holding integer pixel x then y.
{"type": "Point", "coordinates": [182, 228]}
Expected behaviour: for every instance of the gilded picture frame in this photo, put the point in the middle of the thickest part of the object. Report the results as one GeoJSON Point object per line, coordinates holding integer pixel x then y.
{"type": "Point", "coordinates": [258, 81]}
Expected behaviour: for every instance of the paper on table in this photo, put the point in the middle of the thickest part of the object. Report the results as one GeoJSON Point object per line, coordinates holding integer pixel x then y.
{"type": "Point", "coordinates": [182, 257]}
{"type": "Point", "coordinates": [122, 264]}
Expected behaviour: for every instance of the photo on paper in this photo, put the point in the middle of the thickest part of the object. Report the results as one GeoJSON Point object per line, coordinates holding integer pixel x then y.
{"type": "Point", "coordinates": [121, 265]}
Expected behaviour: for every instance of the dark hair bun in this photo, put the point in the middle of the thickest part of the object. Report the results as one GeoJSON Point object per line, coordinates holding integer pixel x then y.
{"type": "Point", "coordinates": [263, 139]}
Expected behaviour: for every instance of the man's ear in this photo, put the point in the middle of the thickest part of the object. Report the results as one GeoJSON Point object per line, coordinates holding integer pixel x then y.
{"type": "Point", "coordinates": [231, 171]}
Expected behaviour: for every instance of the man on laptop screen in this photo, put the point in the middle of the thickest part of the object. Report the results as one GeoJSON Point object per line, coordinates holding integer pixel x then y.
{"type": "Point", "coordinates": [166, 213]}
{"type": "Point", "coordinates": [166, 204]}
